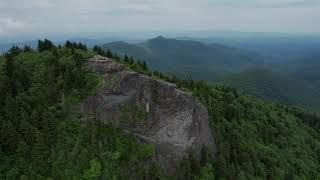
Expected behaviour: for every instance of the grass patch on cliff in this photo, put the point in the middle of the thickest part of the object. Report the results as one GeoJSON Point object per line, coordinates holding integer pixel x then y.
{"type": "Point", "coordinates": [112, 80]}
{"type": "Point", "coordinates": [134, 114]}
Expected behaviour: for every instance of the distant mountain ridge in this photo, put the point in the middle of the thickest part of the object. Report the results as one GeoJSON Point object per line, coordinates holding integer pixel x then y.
{"type": "Point", "coordinates": [187, 58]}
{"type": "Point", "coordinates": [292, 81]}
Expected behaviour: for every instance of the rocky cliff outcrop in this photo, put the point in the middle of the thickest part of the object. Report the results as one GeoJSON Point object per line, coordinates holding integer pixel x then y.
{"type": "Point", "coordinates": [153, 110]}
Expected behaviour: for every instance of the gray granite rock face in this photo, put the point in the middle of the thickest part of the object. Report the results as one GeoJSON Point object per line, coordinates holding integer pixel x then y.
{"type": "Point", "coordinates": [153, 110]}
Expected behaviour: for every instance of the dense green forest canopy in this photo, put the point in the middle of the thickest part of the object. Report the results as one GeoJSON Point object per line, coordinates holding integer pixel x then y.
{"type": "Point", "coordinates": [267, 84]}
{"type": "Point", "coordinates": [40, 138]}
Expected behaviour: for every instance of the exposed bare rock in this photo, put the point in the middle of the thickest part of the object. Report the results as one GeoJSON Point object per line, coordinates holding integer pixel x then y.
{"type": "Point", "coordinates": [154, 111]}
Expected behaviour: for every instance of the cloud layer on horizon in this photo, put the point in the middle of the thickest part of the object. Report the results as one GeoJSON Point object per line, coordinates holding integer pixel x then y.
{"type": "Point", "coordinates": [59, 16]}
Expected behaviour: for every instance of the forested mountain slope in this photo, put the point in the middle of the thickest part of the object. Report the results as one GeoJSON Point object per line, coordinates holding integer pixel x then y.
{"type": "Point", "coordinates": [42, 138]}
{"type": "Point", "coordinates": [291, 89]}
{"type": "Point", "coordinates": [291, 80]}
{"type": "Point", "coordinates": [187, 58]}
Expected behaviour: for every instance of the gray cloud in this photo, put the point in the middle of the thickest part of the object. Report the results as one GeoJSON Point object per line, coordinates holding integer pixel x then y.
{"type": "Point", "coordinates": [265, 3]}
{"type": "Point", "coordinates": [135, 8]}
{"type": "Point", "coordinates": [10, 26]}
{"type": "Point", "coordinates": [309, 3]}
{"type": "Point", "coordinates": [60, 16]}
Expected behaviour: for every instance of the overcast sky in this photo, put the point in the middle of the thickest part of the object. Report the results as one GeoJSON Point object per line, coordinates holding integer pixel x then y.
{"type": "Point", "coordinates": [19, 17]}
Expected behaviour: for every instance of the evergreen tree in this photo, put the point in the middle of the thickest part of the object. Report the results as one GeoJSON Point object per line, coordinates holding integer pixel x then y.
{"type": "Point", "coordinates": [126, 59]}
{"type": "Point", "coordinates": [131, 61]}
{"type": "Point", "coordinates": [27, 49]}
{"type": "Point", "coordinates": [9, 137]}
{"type": "Point", "coordinates": [98, 50]}
{"type": "Point", "coordinates": [95, 48]}
{"type": "Point", "coordinates": [68, 44]}
{"type": "Point", "coordinates": [109, 54]}
{"type": "Point", "coordinates": [116, 57]}
{"type": "Point", "coordinates": [45, 45]}
{"type": "Point", "coordinates": [10, 84]}
{"type": "Point", "coordinates": [144, 66]}
{"type": "Point", "coordinates": [14, 50]}
{"type": "Point", "coordinates": [84, 47]}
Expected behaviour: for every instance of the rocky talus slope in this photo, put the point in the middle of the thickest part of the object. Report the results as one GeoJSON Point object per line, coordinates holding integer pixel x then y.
{"type": "Point", "coordinates": [153, 110]}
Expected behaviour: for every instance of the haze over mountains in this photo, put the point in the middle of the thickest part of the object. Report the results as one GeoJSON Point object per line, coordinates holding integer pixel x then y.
{"type": "Point", "coordinates": [188, 58]}
{"type": "Point", "coordinates": [278, 67]}
{"type": "Point", "coordinates": [247, 64]}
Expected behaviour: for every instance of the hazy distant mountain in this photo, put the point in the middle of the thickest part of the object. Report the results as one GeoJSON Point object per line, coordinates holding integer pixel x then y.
{"type": "Point", "coordinates": [273, 47]}
{"type": "Point", "coordinates": [270, 85]}
{"type": "Point", "coordinates": [184, 57]}
{"type": "Point", "coordinates": [257, 68]}
{"type": "Point", "coordinates": [6, 46]}
{"type": "Point", "coordinates": [294, 82]}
